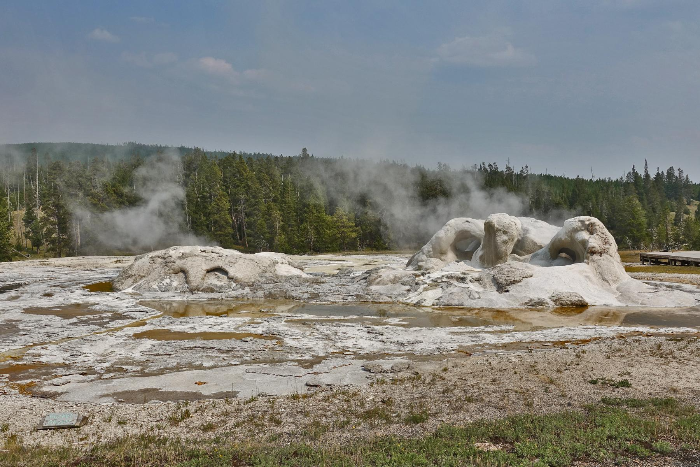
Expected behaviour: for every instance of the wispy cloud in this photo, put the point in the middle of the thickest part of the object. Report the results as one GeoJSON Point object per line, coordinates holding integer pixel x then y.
{"type": "Point", "coordinates": [100, 34]}
{"type": "Point", "coordinates": [215, 66]}
{"type": "Point", "coordinates": [492, 50]}
{"type": "Point", "coordinates": [220, 67]}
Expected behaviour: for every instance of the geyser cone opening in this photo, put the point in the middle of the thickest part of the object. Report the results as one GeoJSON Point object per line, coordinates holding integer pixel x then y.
{"type": "Point", "coordinates": [465, 245]}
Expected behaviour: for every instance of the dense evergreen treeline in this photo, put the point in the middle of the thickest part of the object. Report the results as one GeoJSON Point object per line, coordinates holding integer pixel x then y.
{"type": "Point", "coordinates": [18, 153]}
{"type": "Point", "coordinates": [74, 205]}
{"type": "Point", "coordinates": [643, 210]}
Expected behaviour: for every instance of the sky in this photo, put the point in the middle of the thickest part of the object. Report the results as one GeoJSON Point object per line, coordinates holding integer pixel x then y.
{"type": "Point", "coordinates": [572, 88]}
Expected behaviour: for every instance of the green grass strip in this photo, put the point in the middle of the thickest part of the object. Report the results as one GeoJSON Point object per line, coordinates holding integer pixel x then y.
{"type": "Point", "coordinates": [610, 431]}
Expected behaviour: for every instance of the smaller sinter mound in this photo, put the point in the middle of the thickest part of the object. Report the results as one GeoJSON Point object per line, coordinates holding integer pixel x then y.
{"type": "Point", "coordinates": [197, 269]}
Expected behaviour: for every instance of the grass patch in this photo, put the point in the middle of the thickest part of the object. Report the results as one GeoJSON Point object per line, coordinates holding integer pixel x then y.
{"type": "Point", "coordinates": [653, 269]}
{"type": "Point", "coordinates": [630, 256]}
{"type": "Point", "coordinates": [612, 430]}
{"type": "Point", "coordinates": [622, 383]}
{"type": "Point", "coordinates": [206, 427]}
{"type": "Point", "coordinates": [415, 418]}
{"type": "Point", "coordinates": [375, 414]}
{"type": "Point", "coordinates": [179, 416]}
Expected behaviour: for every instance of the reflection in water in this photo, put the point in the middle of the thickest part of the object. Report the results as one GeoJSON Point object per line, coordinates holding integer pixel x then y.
{"type": "Point", "coordinates": [425, 317]}
{"type": "Point", "coordinates": [99, 287]}
{"type": "Point", "coordinates": [669, 319]}
{"type": "Point", "coordinates": [231, 308]}
{"type": "Point", "coordinates": [64, 311]}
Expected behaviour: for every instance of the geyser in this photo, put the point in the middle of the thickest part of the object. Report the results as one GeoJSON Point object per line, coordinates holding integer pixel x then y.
{"type": "Point", "coordinates": [500, 262]}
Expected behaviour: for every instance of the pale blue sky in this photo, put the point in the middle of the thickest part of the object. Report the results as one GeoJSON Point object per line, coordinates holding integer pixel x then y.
{"type": "Point", "coordinates": [558, 85]}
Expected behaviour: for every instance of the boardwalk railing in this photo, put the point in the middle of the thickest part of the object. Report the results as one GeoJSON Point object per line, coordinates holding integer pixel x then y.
{"type": "Point", "coordinates": [679, 258]}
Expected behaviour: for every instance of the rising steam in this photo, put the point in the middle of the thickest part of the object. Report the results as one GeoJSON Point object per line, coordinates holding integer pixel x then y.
{"type": "Point", "coordinates": [157, 222]}
{"type": "Point", "coordinates": [411, 221]}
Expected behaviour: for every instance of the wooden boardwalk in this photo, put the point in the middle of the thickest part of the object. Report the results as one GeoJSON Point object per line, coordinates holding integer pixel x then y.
{"type": "Point", "coordinates": [678, 258]}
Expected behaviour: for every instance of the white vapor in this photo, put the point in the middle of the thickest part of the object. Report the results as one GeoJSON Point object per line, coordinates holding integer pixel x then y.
{"type": "Point", "coordinates": [99, 34]}
{"type": "Point", "coordinates": [157, 222]}
{"type": "Point", "coordinates": [393, 190]}
{"type": "Point", "coordinates": [492, 50]}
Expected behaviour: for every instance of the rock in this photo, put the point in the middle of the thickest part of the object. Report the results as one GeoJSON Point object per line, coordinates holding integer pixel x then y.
{"type": "Point", "coordinates": [390, 277]}
{"type": "Point", "coordinates": [575, 265]}
{"type": "Point", "coordinates": [537, 303]}
{"type": "Point", "coordinates": [314, 383]}
{"type": "Point", "coordinates": [501, 232]}
{"type": "Point", "coordinates": [568, 299]}
{"type": "Point", "coordinates": [457, 296]}
{"type": "Point", "coordinates": [374, 367]}
{"type": "Point", "coordinates": [196, 269]}
{"type": "Point", "coordinates": [400, 366]}
{"type": "Point", "coordinates": [505, 275]}
{"type": "Point", "coordinates": [457, 240]}
{"type": "Point", "coordinates": [484, 243]}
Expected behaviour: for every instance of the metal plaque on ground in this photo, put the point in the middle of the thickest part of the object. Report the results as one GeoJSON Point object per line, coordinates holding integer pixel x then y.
{"type": "Point", "coordinates": [62, 420]}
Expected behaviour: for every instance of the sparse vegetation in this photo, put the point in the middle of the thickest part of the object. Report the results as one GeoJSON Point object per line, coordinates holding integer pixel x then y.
{"type": "Point", "coordinates": [610, 431]}
{"type": "Point", "coordinates": [662, 269]}
{"type": "Point", "coordinates": [622, 383]}
{"type": "Point", "coordinates": [179, 415]}
{"type": "Point", "coordinates": [206, 427]}
{"type": "Point", "coordinates": [417, 417]}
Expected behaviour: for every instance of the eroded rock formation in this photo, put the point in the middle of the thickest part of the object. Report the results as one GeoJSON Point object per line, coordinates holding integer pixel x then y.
{"type": "Point", "coordinates": [523, 262]}
{"type": "Point", "coordinates": [584, 240]}
{"type": "Point", "coordinates": [201, 269]}
{"type": "Point", "coordinates": [457, 240]}
{"type": "Point", "coordinates": [502, 262]}
{"type": "Point", "coordinates": [483, 243]}
{"type": "Point", "coordinates": [501, 232]}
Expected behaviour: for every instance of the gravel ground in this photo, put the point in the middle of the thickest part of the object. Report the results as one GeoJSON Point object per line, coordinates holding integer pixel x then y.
{"type": "Point", "coordinates": [456, 389]}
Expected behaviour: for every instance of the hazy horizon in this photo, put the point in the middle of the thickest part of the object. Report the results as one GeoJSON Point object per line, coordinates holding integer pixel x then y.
{"type": "Point", "coordinates": [431, 165]}
{"type": "Point", "coordinates": [561, 87]}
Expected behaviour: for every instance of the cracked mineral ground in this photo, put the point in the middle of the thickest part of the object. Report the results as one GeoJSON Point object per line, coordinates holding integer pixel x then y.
{"type": "Point", "coordinates": [68, 341]}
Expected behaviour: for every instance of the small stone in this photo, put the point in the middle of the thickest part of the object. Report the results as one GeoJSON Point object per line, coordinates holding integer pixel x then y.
{"type": "Point", "coordinates": [537, 303]}
{"type": "Point", "coordinates": [400, 366]}
{"type": "Point", "coordinates": [314, 383]}
{"type": "Point", "coordinates": [568, 299]}
{"type": "Point", "coordinates": [374, 367]}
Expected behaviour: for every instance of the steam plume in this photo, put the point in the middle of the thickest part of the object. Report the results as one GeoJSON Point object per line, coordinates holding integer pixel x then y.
{"type": "Point", "coordinates": [157, 222]}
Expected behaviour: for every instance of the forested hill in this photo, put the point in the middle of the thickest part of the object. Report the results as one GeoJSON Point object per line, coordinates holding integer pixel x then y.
{"type": "Point", "coordinates": [86, 151]}
{"type": "Point", "coordinates": [102, 204]}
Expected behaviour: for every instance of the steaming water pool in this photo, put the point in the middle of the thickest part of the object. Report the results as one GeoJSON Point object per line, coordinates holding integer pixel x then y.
{"type": "Point", "coordinates": [425, 317]}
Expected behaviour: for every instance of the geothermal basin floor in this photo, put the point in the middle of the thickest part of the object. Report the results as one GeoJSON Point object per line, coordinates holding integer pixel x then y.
{"type": "Point", "coordinates": [130, 361]}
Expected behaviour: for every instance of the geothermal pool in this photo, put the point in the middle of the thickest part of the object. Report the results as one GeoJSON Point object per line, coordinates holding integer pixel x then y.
{"type": "Point", "coordinates": [65, 334]}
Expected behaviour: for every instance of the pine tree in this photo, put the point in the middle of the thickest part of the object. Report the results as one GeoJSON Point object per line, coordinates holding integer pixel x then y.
{"type": "Point", "coordinates": [345, 232]}
{"type": "Point", "coordinates": [33, 228]}
{"type": "Point", "coordinates": [6, 248]}
{"type": "Point", "coordinates": [56, 222]}
{"type": "Point", "coordinates": [221, 229]}
{"type": "Point", "coordinates": [632, 222]}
